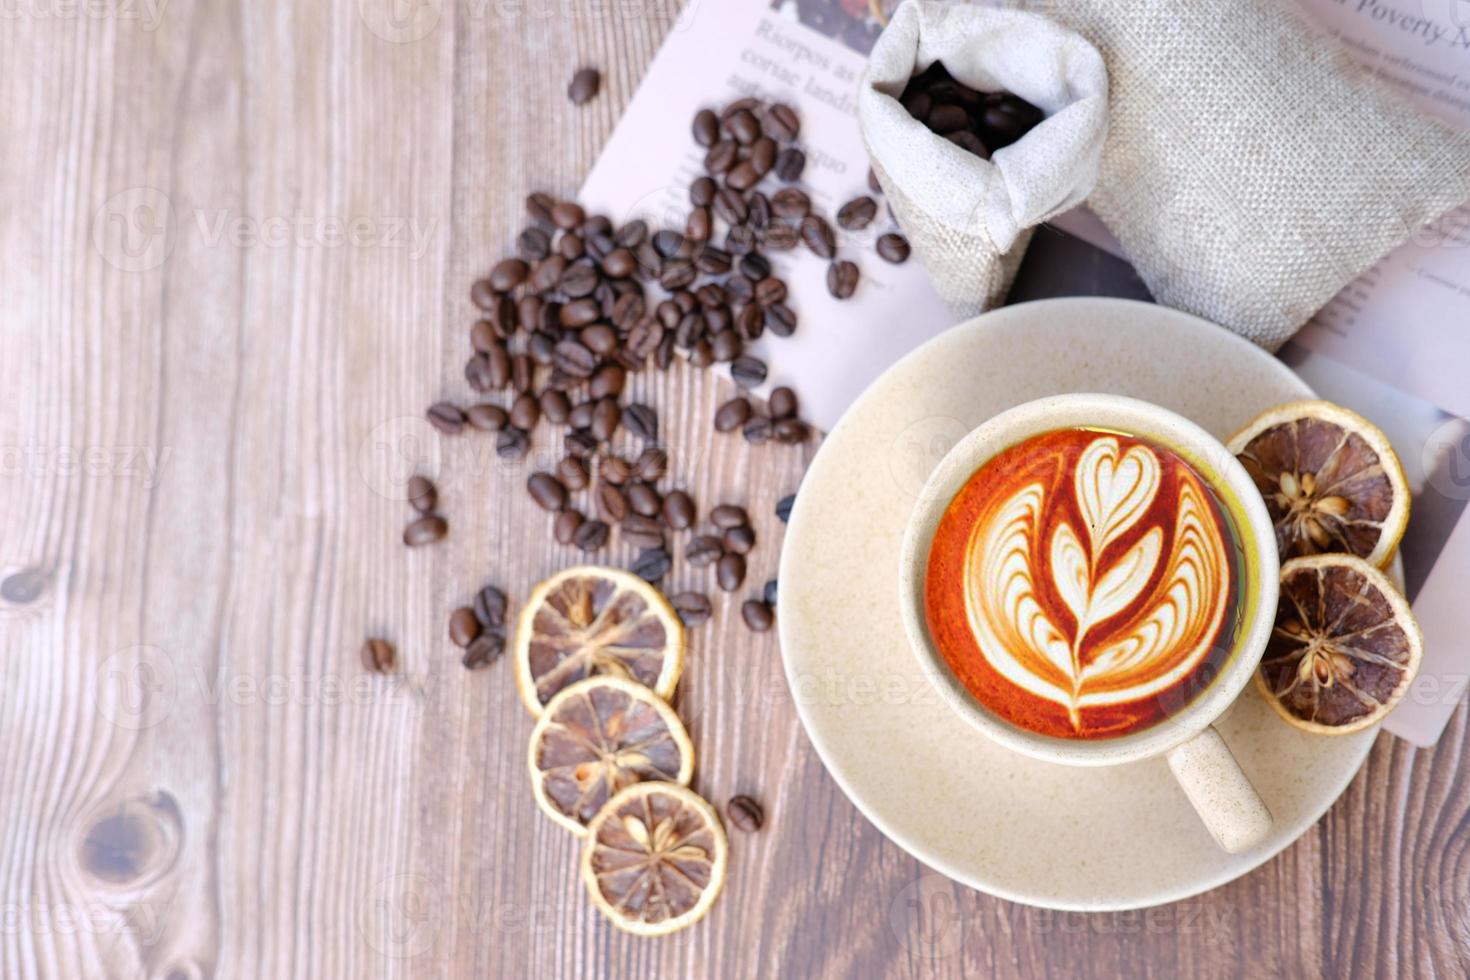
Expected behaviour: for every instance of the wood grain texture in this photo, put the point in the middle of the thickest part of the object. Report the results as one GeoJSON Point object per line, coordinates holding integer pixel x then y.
{"type": "Point", "coordinates": [239, 241]}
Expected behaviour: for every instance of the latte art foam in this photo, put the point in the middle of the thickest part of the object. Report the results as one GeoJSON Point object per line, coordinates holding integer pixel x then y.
{"type": "Point", "coordinates": [1082, 584]}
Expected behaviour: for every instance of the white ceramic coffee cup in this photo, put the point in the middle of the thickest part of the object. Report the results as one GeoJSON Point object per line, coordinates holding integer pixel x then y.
{"type": "Point", "coordinates": [1201, 761]}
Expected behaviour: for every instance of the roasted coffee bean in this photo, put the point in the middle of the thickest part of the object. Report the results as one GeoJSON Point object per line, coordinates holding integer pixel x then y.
{"type": "Point", "coordinates": [694, 608]}
{"type": "Point", "coordinates": [580, 312]}
{"type": "Point", "coordinates": [969, 142]}
{"type": "Point", "coordinates": [584, 86]}
{"type": "Point", "coordinates": [893, 248]}
{"type": "Point", "coordinates": [572, 471]}
{"type": "Point", "coordinates": [743, 176]}
{"type": "Point", "coordinates": [571, 246]}
{"type": "Point", "coordinates": [732, 414]}
{"type": "Point", "coordinates": [739, 540]}
{"type": "Point", "coordinates": [511, 443]}
{"type": "Point", "coordinates": [686, 301]}
{"type": "Point", "coordinates": [749, 103]}
{"type": "Point", "coordinates": [508, 274]}
{"type": "Point", "coordinates": [751, 321]}
{"type": "Point", "coordinates": [782, 122]}
{"type": "Point", "coordinates": [547, 491]}
{"type": "Point", "coordinates": [615, 470]}
{"type": "Point", "coordinates": [918, 102]}
{"type": "Point", "coordinates": [700, 354]}
{"type": "Point", "coordinates": [555, 406]}
{"type": "Point", "coordinates": [726, 346]}
{"type": "Point", "coordinates": [632, 234]}
{"type": "Point", "coordinates": [425, 530]}
{"type": "Point", "coordinates": [770, 291]}
{"type": "Point", "coordinates": [644, 499]}
{"type": "Point", "coordinates": [483, 295]}
{"type": "Point", "coordinates": [642, 532]}
{"type": "Point", "coordinates": [580, 442]}
{"type": "Point", "coordinates": [548, 273]}
{"type": "Point", "coordinates": [619, 263]}
{"type": "Point", "coordinates": [629, 309]}
{"type": "Point", "coordinates": [757, 431]}
{"type": "Point", "coordinates": [378, 656]}
{"type": "Point", "coordinates": [564, 529]}
{"type": "Point", "coordinates": [521, 373]}
{"type": "Point", "coordinates": [842, 279]}
{"type": "Point", "coordinates": [464, 626]}
{"type": "Point", "coordinates": [790, 431]}
{"type": "Point", "coordinates": [567, 215]}
{"type": "Point", "coordinates": [699, 225]}
{"type": "Point", "coordinates": [783, 507]}
{"type": "Point", "coordinates": [578, 280]}
{"type": "Point", "coordinates": [703, 549]}
{"type": "Point", "coordinates": [489, 606]}
{"type": "Point", "coordinates": [652, 564]}
{"type": "Point", "coordinates": [484, 651]}
{"type": "Point", "coordinates": [744, 813]}
{"type": "Point", "coordinates": [782, 403]}
{"type": "Point", "coordinates": [754, 268]}
{"type": "Point", "coordinates": [946, 119]}
{"type": "Point", "coordinates": [857, 214]}
{"type": "Point", "coordinates": [525, 412]}
{"type": "Point", "coordinates": [612, 503]}
{"type": "Point", "coordinates": [533, 244]}
{"type": "Point", "coordinates": [791, 202]}
{"type": "Point", "coordinates": [739, 289]}
{"type": "Point", "coordinates": [712, 261]}
{"type": "Point", "coordinates": [706, 127]}
{"type": "Point", "coordinates": [730, 207]}
{"type": "Point", "coordinates": [762, 156]}
{"type": "Point", "coordinates": [608, 380]}
{"type": "Point", "coordinates": [591, 536]}
{"type": "Point", "coordinates": [790, 163]}
{"type": "Point", "coordinates": [651, 464]}
{"type": "Point", "coordinates": [678, 510]}
{"type": "Point", "coordinates": [721, 156]}
{"type": "Point", "coordinates": [677, 273]}
{"type": "Point", "coordinates": [541, 347]}
{"type": "Point", "coordinates": [483, 336]}
{"type": "Point", "coordinates": [644, 337]}
{"type": "Point", "coordinates": [817, 235]}
{"type": "Point", "coordinates": [487, 418]}
{"type": "Point", "coordinates": [702, 192]}
{"type": "Point", "coordinates": [741, 239]}
{"type": "Point", "coordinates": [757, 615]}
{"type": "Point", "coordinates": [780, 237]}
{"type": "Point", "coordinates": [529, 311]}
{"type": "Point", "coordinates": [663, 354]}
{"type": "Point", "coordinates": [642, 421]}
{"type": "Point", "coordinates": [599, 338]}
{"type": "Point", "coordinates": [605, 418]}
{"type": "Point", "coordinates": [748, 372]}
{"type": "Point", "coordinates": [1006, 118]}
{"type": "Point", "coordinates": [742, 125]}
{"type": "Point", "coordinates": [691, 329]}
{"type": "Point", "coordinates": [760, 211]}
{"type": "Point", "coordinates": [580, 417]}
{"type": "Point", "coordinates": [726, 516]}
{"type": "Point", "coordinates": [575, 359]}
{"type": "Point", "coordinates": [497, 364]}
{"type": "Point", "coordinates": [730, 572]}
{"type": "Point", "coordinates": [447, 418]}
{"type": "Point", "coordinates": [768, 594]}
{"type": "Point", "coordinates": [668, 243]}
{"type": "Point", "coordinates": [423, 496]}
{"type": "Point", "coordinates": [538, 208]}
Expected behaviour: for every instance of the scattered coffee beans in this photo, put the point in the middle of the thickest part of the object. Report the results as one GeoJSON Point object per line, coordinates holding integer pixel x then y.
{"type": "Point", "coordinates": [425, 530]}
{"type": "Point", "coordinates": [893, 247]}
{"type": "Point", "coordinates": [464, 626]}
{"type": "Point", "coordinates": [757, 615]}
{"type": "Point", "coordinates": [377, 656]}
{"type": "Point", "coordinates": [423, 496]}
{"type": "Point", "coordinates": [693, 607]}
{"type": "Point", "coordinates": [745, 814]}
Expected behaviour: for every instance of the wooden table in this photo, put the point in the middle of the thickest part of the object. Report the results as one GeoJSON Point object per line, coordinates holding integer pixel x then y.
{"type": "Point", "coordinates": [239, 239]}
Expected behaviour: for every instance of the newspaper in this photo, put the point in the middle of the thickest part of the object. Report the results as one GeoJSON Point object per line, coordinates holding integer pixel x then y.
{"type": "Point", "coordinates": [1395, 344]}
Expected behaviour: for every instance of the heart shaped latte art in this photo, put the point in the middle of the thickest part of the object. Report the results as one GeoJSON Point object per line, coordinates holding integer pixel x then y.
{"type": "Point", "coordinates": [1100, 586]}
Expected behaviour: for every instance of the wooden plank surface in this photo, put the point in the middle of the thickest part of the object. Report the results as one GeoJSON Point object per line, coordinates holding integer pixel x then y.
{"type": "Point", "coordinates": [238, 240]}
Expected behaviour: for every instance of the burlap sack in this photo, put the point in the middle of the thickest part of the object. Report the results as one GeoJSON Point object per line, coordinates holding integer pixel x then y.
{"type": "Point", "coordinates": [1252, 170]}
{"type": "Point", "coordinates": [969, 220]}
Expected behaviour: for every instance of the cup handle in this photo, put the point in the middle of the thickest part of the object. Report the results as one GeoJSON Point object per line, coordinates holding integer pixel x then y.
{"type": "Point", "coordinates": [1222, 795]}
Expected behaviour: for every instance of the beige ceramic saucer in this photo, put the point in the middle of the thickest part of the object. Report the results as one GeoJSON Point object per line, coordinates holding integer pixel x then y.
{"type": "Point", "coordinates": [1034, 832]}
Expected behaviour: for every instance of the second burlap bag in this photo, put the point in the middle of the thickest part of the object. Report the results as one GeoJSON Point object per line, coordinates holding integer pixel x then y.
{"type": "Point", "coordinates": [969, 219]}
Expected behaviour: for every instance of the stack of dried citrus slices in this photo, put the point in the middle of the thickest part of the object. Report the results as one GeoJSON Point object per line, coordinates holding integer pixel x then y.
{"type": "Point", "coordinates": [1345, 646]}
{"type": "Point", "coordinates": [598, 655]}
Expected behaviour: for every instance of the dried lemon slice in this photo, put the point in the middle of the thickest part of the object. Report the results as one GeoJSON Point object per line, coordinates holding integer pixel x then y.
{"type": "Point", "coordinates": [654, 859]}
{"type": "Point", "coordinates": [600, 736]}
{"type": "Point", "coordinates": [1330, 479]}
{"type": "Point", "coordinates": [1345, 646]}
{"type": "Point", "coordinates": [589, 620]}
